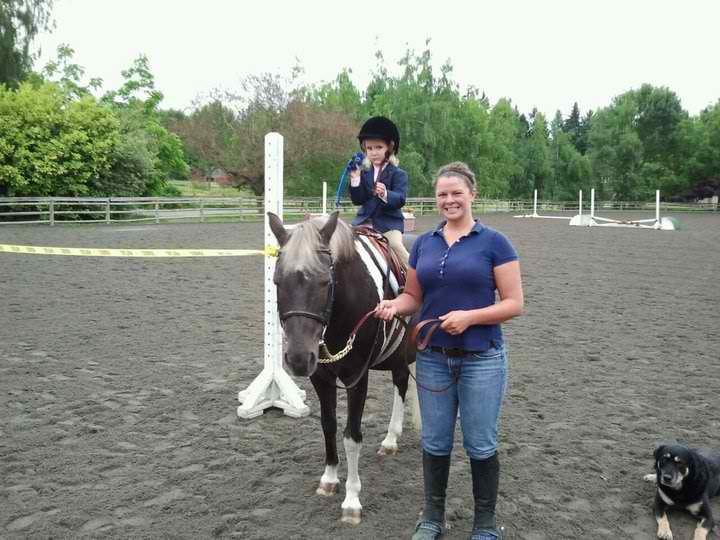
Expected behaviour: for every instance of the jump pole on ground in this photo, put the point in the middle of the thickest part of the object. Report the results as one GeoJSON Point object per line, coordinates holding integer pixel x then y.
{"type": "Point", "coordinates": [657, 223]}
{"type": "Point", "coordinates": [273, 387]}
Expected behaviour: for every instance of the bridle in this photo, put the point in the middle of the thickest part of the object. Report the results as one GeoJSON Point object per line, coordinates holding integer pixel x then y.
{"type": "Point", "coordinates": [323, 317]}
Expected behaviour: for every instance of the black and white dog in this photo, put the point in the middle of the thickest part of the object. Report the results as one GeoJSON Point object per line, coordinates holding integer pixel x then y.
{"type": "Point", "coordinates": [686, 478]}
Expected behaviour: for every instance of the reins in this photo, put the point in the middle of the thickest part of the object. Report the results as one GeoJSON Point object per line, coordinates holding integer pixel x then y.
{"type": "Point", "coordinates": [432, 324]}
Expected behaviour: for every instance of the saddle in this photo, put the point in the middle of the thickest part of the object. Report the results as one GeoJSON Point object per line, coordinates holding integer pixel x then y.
{"type": "Point", "coordinates": [383, 246]}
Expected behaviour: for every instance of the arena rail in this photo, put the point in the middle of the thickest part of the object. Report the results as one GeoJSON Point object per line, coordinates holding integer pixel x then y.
{"type": "Point", "coordinates": [57, 210]}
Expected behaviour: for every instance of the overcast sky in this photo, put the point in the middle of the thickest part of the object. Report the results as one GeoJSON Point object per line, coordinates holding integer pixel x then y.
{"type": "Point", "coordinates": [543, 53]}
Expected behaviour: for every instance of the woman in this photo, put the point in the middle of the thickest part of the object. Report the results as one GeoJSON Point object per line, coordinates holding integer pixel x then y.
{"type": "Point", "coordinates": [455, 271]}
{"type": "Point", "coordinates": [381, 188]}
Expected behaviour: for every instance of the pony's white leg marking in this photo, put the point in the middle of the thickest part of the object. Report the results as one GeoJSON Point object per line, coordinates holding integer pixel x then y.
{"type": "Point", "coordinates": [411, 396]}
{"type": "Point", "coordinates": [389, 444]}
{"type": "Point", "coordinates": [351, 507]}
{"type": "Point", "coordinates": [701, 532]}
{"type": "Point", "coordinates": [328, 481]}
{"type": "Point", "coordinates": [664, 531]}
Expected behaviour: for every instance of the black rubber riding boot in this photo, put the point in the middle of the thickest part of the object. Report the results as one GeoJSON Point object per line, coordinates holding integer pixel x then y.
{"type": "Point", "coordinates": [436, 470]}
{"type": "Point", "coordinates": [485, 477]}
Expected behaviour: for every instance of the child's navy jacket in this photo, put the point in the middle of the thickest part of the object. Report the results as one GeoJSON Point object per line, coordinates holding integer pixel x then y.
{"type": "Point", "coordinates": [385, 216]}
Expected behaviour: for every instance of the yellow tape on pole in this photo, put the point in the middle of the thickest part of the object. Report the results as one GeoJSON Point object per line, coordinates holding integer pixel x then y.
{"type": "Point", "coordinates": [157, 253]}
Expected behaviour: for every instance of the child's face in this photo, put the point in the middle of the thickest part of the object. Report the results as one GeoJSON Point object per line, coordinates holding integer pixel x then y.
{"type": "Point", "coordinates": [376, 150]}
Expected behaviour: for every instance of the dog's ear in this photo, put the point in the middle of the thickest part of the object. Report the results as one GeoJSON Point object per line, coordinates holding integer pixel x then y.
{"type": "Point", "coordinates": [659, 449]}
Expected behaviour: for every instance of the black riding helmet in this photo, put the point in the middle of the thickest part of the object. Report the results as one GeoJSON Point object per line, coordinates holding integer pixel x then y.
{"type": "Point", "coordinates": [379, 127]}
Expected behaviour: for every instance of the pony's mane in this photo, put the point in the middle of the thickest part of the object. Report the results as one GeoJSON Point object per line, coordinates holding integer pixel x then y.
{"type": "Point", "coordinates": [302, 248]}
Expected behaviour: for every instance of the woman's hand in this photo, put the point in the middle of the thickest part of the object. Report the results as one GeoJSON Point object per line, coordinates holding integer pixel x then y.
{"type": "Point", "coordinates": [455, 322]}
{"type": "Point", "coordinates": [385, 310]}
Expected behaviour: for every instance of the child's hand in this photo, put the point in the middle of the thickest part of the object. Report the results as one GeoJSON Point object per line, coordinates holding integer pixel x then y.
{"type": "Point", "coordinates": [355, 162]}
{"type": "Point", "coordinates": [380, 190]}
{"type": "Point", "coordinates": [355, 177]}
{"type": "Point", "coordinates": [353, 168]}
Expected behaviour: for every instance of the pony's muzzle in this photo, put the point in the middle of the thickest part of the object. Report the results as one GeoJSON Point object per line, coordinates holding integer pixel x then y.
{"type": "Point", "coordinates": [301, 364]}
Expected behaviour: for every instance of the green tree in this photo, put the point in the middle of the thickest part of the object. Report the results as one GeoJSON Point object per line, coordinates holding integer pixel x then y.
{"type": "Point", "coordinates": [701, 143]}
{"type": "Point", "coordinates": [572, 125]}
{"type": "Point", "coordinates": [571, 170]}
{"type": "Point", "coordinates": [50, 146]}
{"type": "Point", "coordinates": [537, 160]}
{"type": "Point", "coordinates": [150, 155]}
{"type": "Point", "coordinates": [20, 22]}
{"type": "Point", "coordinates": [582, 143]}
{"type": "Point", "coordinates": [499, 166]}
{"type": "Point", "coordinates": [67, 74]}
{"type": "Point", "coordinates": [438, 124]}
{"type": "Point", "coordinates": [637, 144]}
{"type": "Point", "coordinates": [341, 95]}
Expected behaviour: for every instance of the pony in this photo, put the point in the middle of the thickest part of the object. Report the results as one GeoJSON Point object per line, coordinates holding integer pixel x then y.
{"type": "Point", "coordinates": [328, 285]}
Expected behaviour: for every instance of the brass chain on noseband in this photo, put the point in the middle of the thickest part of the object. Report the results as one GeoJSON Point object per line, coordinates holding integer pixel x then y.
{"type": "Point", "coordinates": [326, 357]}
{"type": "Point", "coordinates": [329, 358]}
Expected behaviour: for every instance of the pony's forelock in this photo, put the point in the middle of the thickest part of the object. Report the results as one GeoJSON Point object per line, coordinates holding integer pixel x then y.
{"type": "Point", "coordinates": [301, 250]}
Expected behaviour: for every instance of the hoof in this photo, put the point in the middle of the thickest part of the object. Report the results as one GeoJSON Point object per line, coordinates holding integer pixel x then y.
{"type": "Point", "coordinates": [387, 451]}
{"type": "Point", "coordinates": [351, 516]}
{"type": "Point", "coordinates": [327, 489]}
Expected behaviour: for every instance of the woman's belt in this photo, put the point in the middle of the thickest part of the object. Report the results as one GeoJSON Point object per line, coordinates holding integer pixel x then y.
{"type": "Point", "coordinates": [452, 352]}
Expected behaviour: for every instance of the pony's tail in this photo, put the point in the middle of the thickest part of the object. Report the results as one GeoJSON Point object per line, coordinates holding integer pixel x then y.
{"type": "Point", "coordinates": [412, 399]}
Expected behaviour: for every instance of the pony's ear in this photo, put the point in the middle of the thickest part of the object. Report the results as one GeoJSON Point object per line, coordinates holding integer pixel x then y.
{"type": "Point", "coordinates": [278, 229]}
{"type": "Point", "coordinates": [329, 228]}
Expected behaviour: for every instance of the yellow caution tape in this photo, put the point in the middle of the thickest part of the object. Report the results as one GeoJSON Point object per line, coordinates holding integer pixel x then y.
{"type": "Point", "coordinates": [270, 251]}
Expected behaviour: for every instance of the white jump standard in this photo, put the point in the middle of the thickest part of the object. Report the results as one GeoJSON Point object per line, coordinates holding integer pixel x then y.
{"type": "Point", "coordinates": [536, 215]}
{"type": "Point", "coordinates": [657, 223]}
{"type": "Point", "coordinates": [273, 387]}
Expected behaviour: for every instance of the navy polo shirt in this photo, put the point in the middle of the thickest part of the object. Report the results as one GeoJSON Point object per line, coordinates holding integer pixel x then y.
{"type": "Point", "coordinates": [460, 277]}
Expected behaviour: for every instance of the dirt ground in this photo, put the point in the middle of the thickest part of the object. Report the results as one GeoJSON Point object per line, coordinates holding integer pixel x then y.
{"type": "Point", "coordinates": [119, 381]}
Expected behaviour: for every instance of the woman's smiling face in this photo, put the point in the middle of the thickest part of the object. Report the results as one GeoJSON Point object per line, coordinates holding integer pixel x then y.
{"type": "Point", "coordinates": [453, 197]}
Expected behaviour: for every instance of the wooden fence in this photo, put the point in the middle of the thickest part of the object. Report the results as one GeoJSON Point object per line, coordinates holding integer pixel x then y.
{"type": "Point", "coordinates": [53, 210]}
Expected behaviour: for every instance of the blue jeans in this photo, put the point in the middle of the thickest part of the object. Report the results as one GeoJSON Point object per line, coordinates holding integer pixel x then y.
{"type": "Point", "coordinates": [473, 384]}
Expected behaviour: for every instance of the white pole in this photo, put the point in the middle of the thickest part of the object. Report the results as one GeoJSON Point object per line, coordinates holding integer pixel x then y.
{"type": "Point", "coordinates": [324, 201]}
{"type": "Point", "coordinates": [580, 204]}
{"type": "Point", "coordinates": [272, 387]}
{"type": "Point", "coordinates": [592, 203]}
{"type": "Point", "coordinates": [535, 204]}
{"type": "Point", "coordinates": [657, 206]}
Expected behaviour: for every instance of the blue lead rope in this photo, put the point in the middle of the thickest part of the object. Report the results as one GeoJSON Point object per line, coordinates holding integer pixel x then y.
{"type": "Point", "coordinates": [353, 163]}
{"type": "Point", "coordinates": [340, 189]}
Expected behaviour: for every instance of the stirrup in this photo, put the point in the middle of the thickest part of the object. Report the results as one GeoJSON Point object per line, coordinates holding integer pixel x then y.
{"type": "Point", "coordinates": [427, 530]}
{"type": "Point", "coordinates": [488, 534]}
